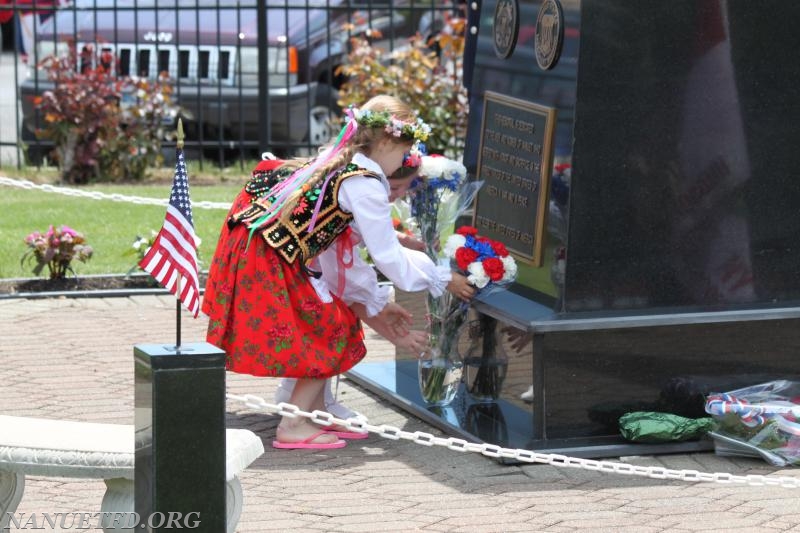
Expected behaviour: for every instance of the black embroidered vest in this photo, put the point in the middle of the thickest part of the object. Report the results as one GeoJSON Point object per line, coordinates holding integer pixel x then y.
{"type": "Point", "coordinates": [291, 238]}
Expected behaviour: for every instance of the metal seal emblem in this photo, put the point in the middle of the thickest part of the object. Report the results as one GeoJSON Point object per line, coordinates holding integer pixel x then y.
{"type": "Point", "coordinates": [549, 34]}
{"type": "Point", "coordinates": [505, 28]}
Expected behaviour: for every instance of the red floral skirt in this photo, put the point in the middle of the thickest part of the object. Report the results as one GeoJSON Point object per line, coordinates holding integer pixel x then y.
{"type": "Point", "coordinates": [267, 317]}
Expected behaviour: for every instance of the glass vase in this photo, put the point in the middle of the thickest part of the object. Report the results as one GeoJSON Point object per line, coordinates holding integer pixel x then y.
{"type": "Point", "coordinates": [440, 367]}
{"type": "Point", "coordinates": [439, 377]}
{"type": "Point", "coordinates": [485, 362]}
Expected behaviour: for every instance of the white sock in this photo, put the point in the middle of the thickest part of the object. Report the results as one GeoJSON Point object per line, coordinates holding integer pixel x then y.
{"type": "Point", "coordinates": [284, 393]}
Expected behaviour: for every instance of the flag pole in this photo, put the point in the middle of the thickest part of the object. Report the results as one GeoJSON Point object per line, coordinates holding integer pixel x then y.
{"type": "Point", "coordinates": [178, 315]}
{"type": "Point", "coordinates": [174, 251]}
{"type": "Point", "coordinates": [179, 146]}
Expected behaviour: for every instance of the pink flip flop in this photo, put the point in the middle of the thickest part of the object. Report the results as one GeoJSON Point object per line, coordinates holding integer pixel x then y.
{"type": "Point", "coordinates": [350, 435]}
{"type": "Point", "coordinates": [309, 444]}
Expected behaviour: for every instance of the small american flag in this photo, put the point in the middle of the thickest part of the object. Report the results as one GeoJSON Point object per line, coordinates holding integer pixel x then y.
{"type": "Point", "coordinates": [174, 252]}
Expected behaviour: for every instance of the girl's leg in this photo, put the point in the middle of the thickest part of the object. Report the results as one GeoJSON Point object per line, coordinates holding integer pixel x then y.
{"type": "Point", "coordinates": [332, 405]}
{"type": "Point", "coordinates": [307, 395]}
{"type": "Point", "coordinates": [284, 391]}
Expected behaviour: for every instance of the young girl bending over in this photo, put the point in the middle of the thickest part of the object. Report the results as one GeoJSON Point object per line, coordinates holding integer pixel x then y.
{"type": "Point", "coordinates": [268, 306]}
{"type": "Point", "coordinates": [413, 341]}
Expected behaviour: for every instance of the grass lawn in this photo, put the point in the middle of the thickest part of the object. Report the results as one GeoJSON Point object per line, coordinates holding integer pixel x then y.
{"type": "Point", "coordinates": [110, 227]}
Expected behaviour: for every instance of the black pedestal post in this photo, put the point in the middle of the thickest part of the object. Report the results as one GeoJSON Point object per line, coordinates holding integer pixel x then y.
{"type": "Point", "coordinates": [180, 436]}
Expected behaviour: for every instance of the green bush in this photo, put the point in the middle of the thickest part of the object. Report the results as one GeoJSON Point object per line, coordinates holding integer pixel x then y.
{"type": "Point", "coordinates": [104, 127]}
{"type": "Point", "coordinates": [426, 74]}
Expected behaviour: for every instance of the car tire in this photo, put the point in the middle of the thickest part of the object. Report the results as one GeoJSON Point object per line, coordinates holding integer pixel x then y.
{"type": "Point", "coordinates": [36, 150]}
{"type": "Point", "coordinates": [323, 119]}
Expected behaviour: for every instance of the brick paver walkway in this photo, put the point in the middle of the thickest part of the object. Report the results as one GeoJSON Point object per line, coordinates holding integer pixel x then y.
{"type": "Point", "coordinates": [73, 359]}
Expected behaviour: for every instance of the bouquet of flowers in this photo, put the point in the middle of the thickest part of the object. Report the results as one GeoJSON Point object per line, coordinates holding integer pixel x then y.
{"type": "Point", "coordinates": [484, 260]}
{"type": "Point", "coordinates": [760, 420]}
{"type": "Point", "coordinates": [486, 263]}
{"type": "Point", "coordinates": [439, 195]}
{"type": "Point", "coordinates": [55, 249]}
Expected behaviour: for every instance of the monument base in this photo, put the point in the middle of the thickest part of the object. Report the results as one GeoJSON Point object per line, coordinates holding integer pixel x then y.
{"type": "Point", "coordinates": [501, 423]}
{"type": "Point", "coordinates": [586, 370]}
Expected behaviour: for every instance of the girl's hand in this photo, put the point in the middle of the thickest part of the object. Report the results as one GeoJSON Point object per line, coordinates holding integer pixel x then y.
{"type": "Point", "coordinates": [396, 318]}
{"type": "Point", "coordinates": [410, 242]}
{"type": "Point", "coordinates": [415, 341]}
{"type": "Point", "coordinates": [461, 288]}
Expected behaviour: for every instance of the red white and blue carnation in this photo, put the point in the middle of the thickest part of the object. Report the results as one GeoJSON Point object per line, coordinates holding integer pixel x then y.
{"type": "Point", "coordinates": [483, 260]}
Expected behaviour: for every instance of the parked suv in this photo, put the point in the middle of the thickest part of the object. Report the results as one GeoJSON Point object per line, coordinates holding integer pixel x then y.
{"type": "Point", "coordinates": [209, 48]}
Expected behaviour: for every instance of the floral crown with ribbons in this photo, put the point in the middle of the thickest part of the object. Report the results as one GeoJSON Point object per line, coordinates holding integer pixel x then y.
{"type": "Point", "coordinates": [415, 130]}
{"type": "Point", "coordinates": [282, 192]}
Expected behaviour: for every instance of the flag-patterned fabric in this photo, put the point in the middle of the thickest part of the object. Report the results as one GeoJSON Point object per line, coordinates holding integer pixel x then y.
{"type": "Point", "coordinates": [174, 251]}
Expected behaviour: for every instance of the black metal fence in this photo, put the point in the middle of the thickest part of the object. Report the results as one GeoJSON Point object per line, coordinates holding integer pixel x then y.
{"type": "Point", "coordinates": [246, 75]}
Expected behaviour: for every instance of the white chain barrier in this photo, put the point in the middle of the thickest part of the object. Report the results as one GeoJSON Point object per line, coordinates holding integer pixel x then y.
{"type": "Point", "coordinates": [526, 456]}
{"type": "Point", "coordinates": [421, 437]}
{"type": "Point", "coordinates": [96, 195]}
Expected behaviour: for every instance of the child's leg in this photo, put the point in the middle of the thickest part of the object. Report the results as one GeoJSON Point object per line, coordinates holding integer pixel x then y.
{"type": "Point", "coordinates": [332, 405]}
{"type": "Point", "coordinates": [284, 391]}
{"type": "Point", "coordinates": [307, 395]}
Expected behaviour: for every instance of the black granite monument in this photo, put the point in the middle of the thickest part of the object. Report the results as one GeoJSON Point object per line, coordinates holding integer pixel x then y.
{"type": "Point", "coordinates": [640, 160]}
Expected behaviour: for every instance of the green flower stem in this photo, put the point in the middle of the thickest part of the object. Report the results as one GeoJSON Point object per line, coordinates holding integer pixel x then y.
{"type": "Point", "coordinates": [447, 315]}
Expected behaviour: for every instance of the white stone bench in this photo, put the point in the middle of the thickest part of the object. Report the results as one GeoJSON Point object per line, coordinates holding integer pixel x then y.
{"type": "Point", "coordinates": [61, 448]}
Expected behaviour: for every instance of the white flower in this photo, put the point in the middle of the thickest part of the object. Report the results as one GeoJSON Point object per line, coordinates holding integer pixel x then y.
{"type": "Point", "coordinates": [453, 243]}
{"type": "Point", "coordinates": [477, 275]}
{"type": "Point", "coordinates": [510, 266]}
{"type": "Point", "coordinates": [442, 167]}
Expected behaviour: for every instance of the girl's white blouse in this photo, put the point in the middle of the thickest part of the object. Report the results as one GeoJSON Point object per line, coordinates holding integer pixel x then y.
{"type": "Point", "coordinates": [409, 270]}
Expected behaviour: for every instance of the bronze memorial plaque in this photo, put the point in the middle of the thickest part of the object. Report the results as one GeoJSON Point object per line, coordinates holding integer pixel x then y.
{"type": "Point", "coordinates": [515, 164]}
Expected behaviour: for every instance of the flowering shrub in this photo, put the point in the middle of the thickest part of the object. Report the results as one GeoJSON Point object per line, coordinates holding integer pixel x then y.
{"type": "Point", "coordinates": [139, 249]}
{"type": "Point", "coordinates": [55, 249]}
{"type": "Point", "coordinates": [430, 81]}
{"type": "Point", "coordinates": [104, 127]}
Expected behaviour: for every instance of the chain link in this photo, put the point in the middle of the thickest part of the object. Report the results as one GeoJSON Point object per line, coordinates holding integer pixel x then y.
{"type": "Point", "coordinates": [97, 195]}
{"type": "Point", "coordinates": [526, 456]}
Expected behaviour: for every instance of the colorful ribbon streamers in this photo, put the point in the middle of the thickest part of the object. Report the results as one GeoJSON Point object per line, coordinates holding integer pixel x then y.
{"type": "Point", "coordinates": [284, 190]}
{"type": "Point", "coordinates": [344, 245]}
